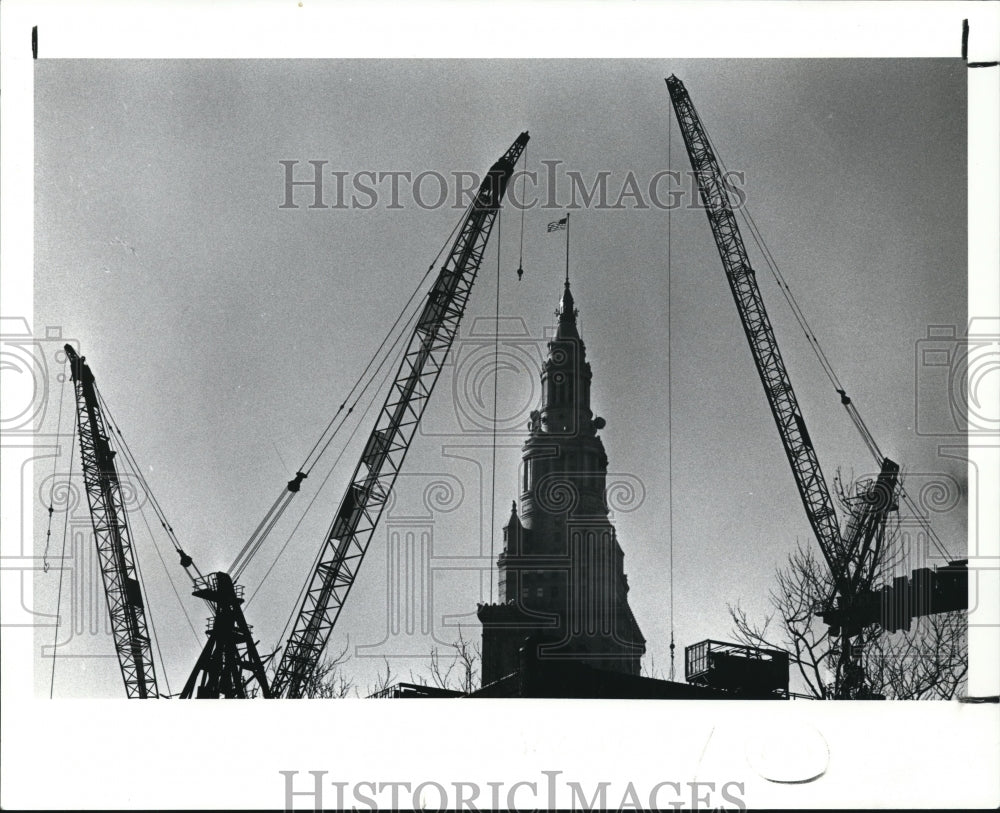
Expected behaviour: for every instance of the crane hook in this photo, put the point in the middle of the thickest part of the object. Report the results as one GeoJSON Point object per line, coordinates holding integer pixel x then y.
{"type": "Point", "coordinates": [296, 483]}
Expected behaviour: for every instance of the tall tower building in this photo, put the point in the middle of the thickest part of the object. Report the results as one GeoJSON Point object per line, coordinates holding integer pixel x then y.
{"type": "Point", "coordinates": [563, 591]}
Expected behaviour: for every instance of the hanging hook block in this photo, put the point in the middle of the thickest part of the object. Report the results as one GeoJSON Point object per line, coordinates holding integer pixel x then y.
{"type": "Point", "coordinates": [296, 483]}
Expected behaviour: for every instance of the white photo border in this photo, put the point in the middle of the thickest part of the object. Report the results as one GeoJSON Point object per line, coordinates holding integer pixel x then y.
{"type": "Point", "coordinates": [93, 754]}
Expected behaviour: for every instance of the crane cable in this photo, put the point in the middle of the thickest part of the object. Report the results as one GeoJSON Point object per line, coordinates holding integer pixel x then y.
{"type": "Point", "coordinates": [845, 400]}
{"type": "Point", "coordinates": [364, 413]}
{"type": "Point", "coordinates": [305, 586]}
{"type": "Point", "coordinates": [397, 351]}
{"type": "Point", "coordinates": [382, 355]}
{"type": "Point", "coordinates": [185, 560]}
{"type": "Point", "coordinates": [400, 348]}
{"type": "Point", "coordinates": [496, 384]}
{"type": "Point", "coordinates": [146, 611]}
{"type": "Point", "coordinates": [62, 570]}
{"type": "Point", "coordinates": [783, 285]}
{"type": "Point", "coordinates": [309, 461]}
{"type": "Point", "coordinates": [170, 579]}
{"type": "Point", "coordinates": [670, 411]}
{"type": "Point", "coordinates": [267, 524]}
{"type": "Point", "coordinates": [496, 365]}
{"type": "Point", "coordinates": [52, 486]}
{"type": "Point", "coordinates": [278, 507]}
{"type": "Point", "coordinates": [524, 181]}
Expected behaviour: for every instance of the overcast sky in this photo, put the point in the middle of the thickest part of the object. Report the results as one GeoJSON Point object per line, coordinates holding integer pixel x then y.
{"type": "Point", "coordinates": [224, 330]}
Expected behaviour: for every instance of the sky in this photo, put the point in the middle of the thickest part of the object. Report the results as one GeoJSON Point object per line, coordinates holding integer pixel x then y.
{"type": "Point", "coordinates": [224, 330]}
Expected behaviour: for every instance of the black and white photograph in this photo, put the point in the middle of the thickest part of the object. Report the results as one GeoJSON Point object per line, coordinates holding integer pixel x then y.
{"type": "Point", "coordinates": [483, 401]}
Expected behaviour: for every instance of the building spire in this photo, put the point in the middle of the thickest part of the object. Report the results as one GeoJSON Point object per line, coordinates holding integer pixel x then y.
{"type": "Point", "coordinates": [567, 315]}
{"type": "Point", "coordinates": [561, 559]}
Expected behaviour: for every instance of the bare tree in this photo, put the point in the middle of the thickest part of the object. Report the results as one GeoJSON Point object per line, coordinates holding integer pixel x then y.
{"type": "Point", "coordinates": [650, 670]}
{"type": "Point", "coordinates": [382, 682]}
{"type": "Point", "coordinates": [457, 670]}
{"type": "Point", "coordinates": [929, 661]}
{"type": "Point", "coordinates": [329, 679]}
{"type": "Point", "coordinates": [461, 672]}
{"type": "Point", "coordinates": [468, 657]}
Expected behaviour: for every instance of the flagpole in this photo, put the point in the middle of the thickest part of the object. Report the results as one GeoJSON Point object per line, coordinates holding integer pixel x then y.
{"type": "Point", "coordinates": [567, 248]}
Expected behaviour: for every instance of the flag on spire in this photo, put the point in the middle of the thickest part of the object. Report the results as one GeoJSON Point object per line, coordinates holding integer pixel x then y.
{"type": "Point", "coordinates": [559, 225]}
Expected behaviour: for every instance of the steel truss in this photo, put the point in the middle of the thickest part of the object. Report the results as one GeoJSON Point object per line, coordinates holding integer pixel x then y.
{"type": "Point", "coordinates": [853, 558]}
{"type": "Point", "coordinates": [113, 538]}
{"type": "Point", "coordinates": [361, 507]}
{"type": "Point", "coordinates": [229, 664]}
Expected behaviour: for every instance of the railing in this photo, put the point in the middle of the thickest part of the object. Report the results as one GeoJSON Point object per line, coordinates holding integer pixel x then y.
{"type": "Point", "coordinates": [404, 690]}
{"type": "Point", "coordinates": [737, 667]}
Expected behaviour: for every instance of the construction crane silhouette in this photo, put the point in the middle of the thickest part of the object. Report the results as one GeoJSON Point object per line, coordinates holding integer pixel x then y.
{"type": "Point", "coordinates": [854, 557]}
{"type": "Point", "coordinates": [347, 539]}
{"type": "Point", "coordinates": [230, 665]}
{"type": "Point", "coordinates": [112, 535]}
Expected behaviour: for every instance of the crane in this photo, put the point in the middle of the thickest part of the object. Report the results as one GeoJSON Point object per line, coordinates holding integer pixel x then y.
{"type": "Point", "coordinates": [112, 536]}
{"type": "Point", "coordinates": [229, 665]}
{"type": "Point", "coordinates": [230, 651]}
{"type": "Point", "coordinates": [853, 558]}
{"type": "Point", "coordinates": [347, 539]}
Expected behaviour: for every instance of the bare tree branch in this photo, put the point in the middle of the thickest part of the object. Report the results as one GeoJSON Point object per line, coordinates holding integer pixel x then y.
{"type": "Point", "coordinates": [928, 661]}
{"type": "Point", "coordinates": [382, 682]}
{"type": "Point", "coordinates": [329, 680]}
{"type": "Point", "coordinates": [461, 672]}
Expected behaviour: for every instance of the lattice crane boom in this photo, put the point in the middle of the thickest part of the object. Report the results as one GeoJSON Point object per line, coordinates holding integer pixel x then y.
{"type": "Point", "coordinates": [784, 405]}
{"type": "Point", "coordinates": [854, 557]}
{"type": "Point", "coordinates": [113, 538]}
{"type": "Point", "coordinates": [361, 507]}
